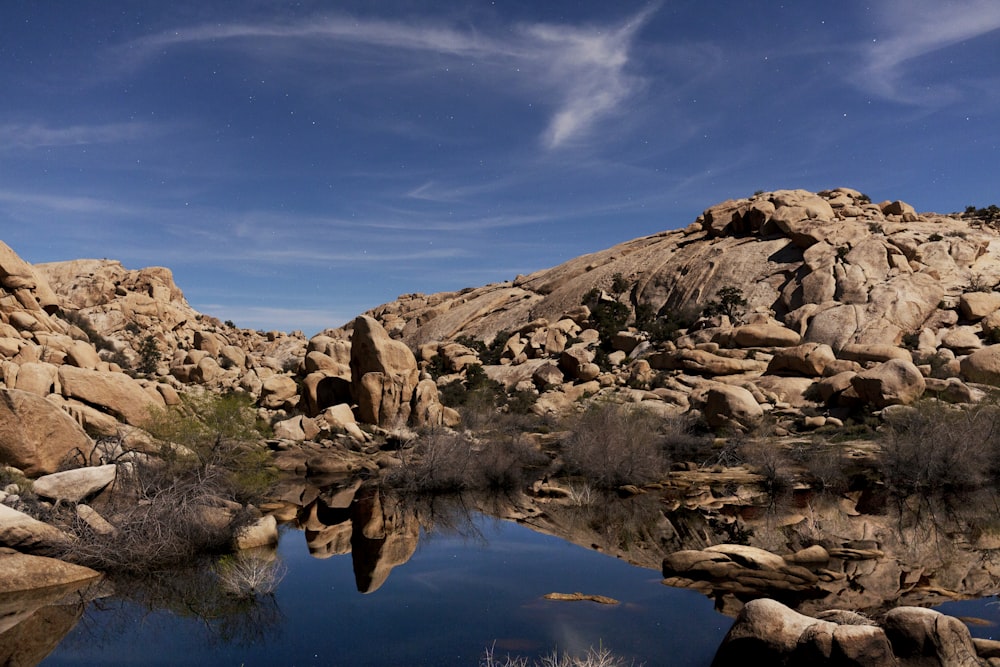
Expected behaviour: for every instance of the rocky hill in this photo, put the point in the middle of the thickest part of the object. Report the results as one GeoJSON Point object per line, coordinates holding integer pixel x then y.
{"type": "Point", "coordinates": [832, 266]}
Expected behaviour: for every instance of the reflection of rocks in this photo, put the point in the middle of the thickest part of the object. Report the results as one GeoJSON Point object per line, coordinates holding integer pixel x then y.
{"type": "Point", "coordinates": [813, 552]}
{"type": "Point", "coordinates": [35, 637]}
{"type": "Point", "coordinates": [30, 626]}
{"type": "Point", "coordinates": [357, 519]}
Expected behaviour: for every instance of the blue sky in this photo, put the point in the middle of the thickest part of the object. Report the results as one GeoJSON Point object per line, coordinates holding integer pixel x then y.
{"type": "Point", "coordinates": [296, 163]}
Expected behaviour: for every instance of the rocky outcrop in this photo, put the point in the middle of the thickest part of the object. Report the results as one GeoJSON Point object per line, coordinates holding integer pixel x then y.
{"type": "Point", "coordinates": [769, 633]}
{"type": "Point", "coordinates": [384, 380]}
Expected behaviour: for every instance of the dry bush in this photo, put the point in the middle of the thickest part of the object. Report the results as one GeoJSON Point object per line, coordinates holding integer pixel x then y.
{"type": "Point", "coordinates": [442, 461]}
{"type": "Point", "coordinates": [612, 444]}
{"type": "Point", "coordinates": [594, 657]}
{"type": "Point", "coordinates": [770, 461]}
{"type": "Point", "coordinates": [247, 574]}
{"type": "Point", "coordinates": [936, 447]}
{"type": "Point", "coordinates": [162, 519]}
{"type": "Point", "coordinates": [188, 501]}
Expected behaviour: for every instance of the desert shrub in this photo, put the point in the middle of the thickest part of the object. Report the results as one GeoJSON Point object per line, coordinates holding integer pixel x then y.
{"type": "Point", "coordinates": [768, 460]}
{"type": "Point", "coordinates": [594, 657]}
{"type": "Point", "coordinates": [619, 284]}
{"type": "Point", "coordinates": [189, 500]}
{"type": "Point", "coordinates": [479, 399]}
{"type": "Point", "coordinates": [81, 322]}
{"type": "Point", "coordinates": [163, 519]}
{"type": "Point", "coordinates": [611, 444]}
{"type": "Point", "coordinates": [607, 316]}
{"type": "Point", "coordinates": [825, 465]}
{"type": "Point", "coordinates": [729, 301]}
{"type": "Point", "coordinates": [933, 447]}
{"type": "Point", "coordinates": [442, 461]}
{"type": "Point", "coordinates": [246, 574]}
{"type": "Point", "coordinates": [489, 354]}
{"type": "Point", "coordinates": [682, 438]}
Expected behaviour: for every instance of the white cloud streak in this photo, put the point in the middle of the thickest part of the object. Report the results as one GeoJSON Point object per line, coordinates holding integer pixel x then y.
{"type": "Point", "coordinates": [37, 135]}
{"type": "Point", "coordinates": [917, 28]}
{"type": "Point", "coordinates": [581, 71]}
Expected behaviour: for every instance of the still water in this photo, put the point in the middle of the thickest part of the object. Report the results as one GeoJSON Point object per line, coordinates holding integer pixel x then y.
{"type": "Point", "coordinates": [462, 591]}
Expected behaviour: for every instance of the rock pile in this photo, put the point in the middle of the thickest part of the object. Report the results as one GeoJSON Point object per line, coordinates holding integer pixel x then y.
{"type": "Point", "coordinates": [848, 305]}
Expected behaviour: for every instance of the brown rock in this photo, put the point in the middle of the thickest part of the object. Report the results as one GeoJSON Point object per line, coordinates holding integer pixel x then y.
{"type": "Point", "coordinates": [931, 637]}
{"type": "Point", "coordinates": [808, 359]}
{"type": "Point", "coordinates": [977, 305]}
{"type": "Point", "coordinates": [725, 405]}
{"type": "Point", "coordinates": [384, 374]}
{"type": "Point", "coordinates": [22, 532]}
{"type": "Point", "coordinates": [983, 366]}
{"type": "Point", "coordinates": [895, 382]}
{"type": "Point", "coordinates": [765, 335]}
{"type": "Point", "coordinates": [278, 391]}
{"type": "Point", "coordinates": [35, 435]}
{"type": "Point", "coordinates": [116, 393]}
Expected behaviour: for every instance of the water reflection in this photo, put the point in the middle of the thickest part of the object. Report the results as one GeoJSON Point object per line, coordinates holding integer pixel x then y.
{"type": "Point", "coordinates": [864, 551]}
{"type": "Point", "coordinates": [879, 552]}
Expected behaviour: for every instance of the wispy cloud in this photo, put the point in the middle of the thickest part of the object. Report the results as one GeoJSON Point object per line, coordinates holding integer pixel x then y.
{"type": "Point", "coordinates": [581, 73]}
{"type": "Point", "coordinates": [916, 28]}
{"type": "Point", "coordinates": [67, 204]}
{"type": "Point", "coordinates": [38, 135]}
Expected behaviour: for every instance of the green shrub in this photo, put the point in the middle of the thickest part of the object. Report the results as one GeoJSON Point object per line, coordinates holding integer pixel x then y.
{"type": "Point", "coordinates": [149, 356]}
{"type": "Point", "coordinates": [729, 302]}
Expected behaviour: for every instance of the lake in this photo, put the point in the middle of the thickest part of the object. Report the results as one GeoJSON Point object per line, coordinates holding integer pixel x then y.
{"type": "Point", "coordinates": [460, 593]}
{"type": "Point", "coordinates": [375, 579]}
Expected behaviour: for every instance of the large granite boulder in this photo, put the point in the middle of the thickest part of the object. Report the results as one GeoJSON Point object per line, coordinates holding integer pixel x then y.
{"type": "Point", "coordinates": [384, 374]}
{"type": "Point", "coordinates": [895, 382]}
{"type": "Point", "coordinates": [75, 485]}
{"type": "Point", "coordinates": [767, 632]}
{"type": "Point", "coordinates": [116, 393]}
{"type": "Point", "coordinates": [35, 435]}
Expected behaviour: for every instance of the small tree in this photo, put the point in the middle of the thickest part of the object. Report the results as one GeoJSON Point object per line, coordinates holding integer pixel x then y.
{"type": "Point", "coordinates": [149, 356]}
{"type": "Point", "coordinates": [729, 302]}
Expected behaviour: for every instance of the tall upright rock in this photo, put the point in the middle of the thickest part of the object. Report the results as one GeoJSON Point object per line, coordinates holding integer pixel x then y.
{"type": "Point", "coordinates": [384, 374]}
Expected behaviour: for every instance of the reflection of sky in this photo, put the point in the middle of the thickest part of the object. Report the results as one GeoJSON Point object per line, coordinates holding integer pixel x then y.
{"type": "Point", "coordinates": [981, 616]}
{"type": "Point", "coordinates": [454, 598]}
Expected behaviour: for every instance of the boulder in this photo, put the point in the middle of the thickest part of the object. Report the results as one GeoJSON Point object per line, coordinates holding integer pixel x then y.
{"type": "Point", "coordinates": [37, 377]}
{"type": "Point", "coordinates": [765, 335]}
{"type": "Point", "coordinates": [808, 359]}
{"type": "Point", "coordinates": [116, 393]}
{"type": "Point", "coordinates": [767, 632]}
{"type": "Point", "coordinates": [982, 366]}
{"type": "Point", "coordinates": [26, 534]}
{"type": "Point", "coordinates": [725, 405]}
{"type": "Point", "coordinates": [261, 533]}
{"type": "Point", "coordinates": [704, 362]}
{"type": "Point", "coordinates": [962, 340]}
{"type": "Point", "coordinates": [384, 374]}
{"type": "Point", "coordinates": [35, 435]}
{"type": "Point", "coordinates": [75, 485]}
{"type": "Point", "coordinates": [863, 353]}
{"type": "Point", "coordinates": [977, 305]}
{"type": "Point", "coordinates": [895, 382]}
{"type": "Point", "coordinates": [278, 391]}
{"type": "Point", "coordinates": [930, 637]}
{"type": "Point", "coordinates": [23, 572]}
